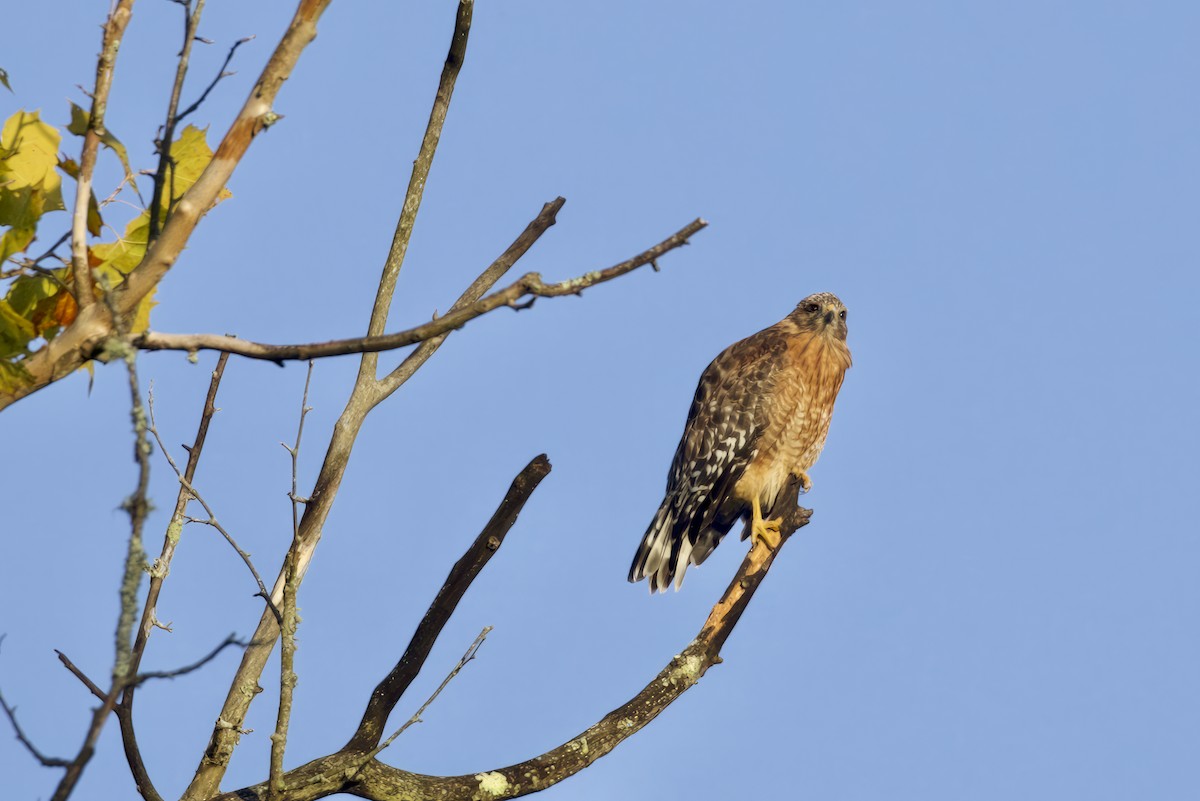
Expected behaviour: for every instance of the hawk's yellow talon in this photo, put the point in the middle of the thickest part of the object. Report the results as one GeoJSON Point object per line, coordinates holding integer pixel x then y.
{"type": "Point", "coordinates": [766, 531]}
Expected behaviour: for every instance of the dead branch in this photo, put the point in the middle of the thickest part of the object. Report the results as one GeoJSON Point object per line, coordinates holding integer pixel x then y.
{"type": "Point", "coordinates": [212, 521]}
{"type": "Point", "coordinates": [191, 22]}
{"type": "Point", "coordinates": [11, 713]}
{"type": "Point", "coordinates": [340, 772]}
{"type": "Point", "coordinates": [385, 697]}
{"type": "Point", "coordinates": [141, 678]}
{"type": "Point", "coordinates": [517, 295]}
{"type": "Point", "coordinates": [221, 75]}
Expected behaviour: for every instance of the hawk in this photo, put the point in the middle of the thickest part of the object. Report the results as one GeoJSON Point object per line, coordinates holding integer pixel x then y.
{"type": "Point", "coordinates": [760, 416]}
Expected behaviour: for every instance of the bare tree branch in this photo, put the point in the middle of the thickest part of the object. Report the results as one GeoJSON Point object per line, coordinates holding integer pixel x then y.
{"type": "Point", "coordinates": [212, 518]}
{"type": "Point", "coordinates": [221, 75]}
{"type": "Point", "coordinates": [114, 31]}
{"type": "Point", "coordinates": [339, 772]}
{"type": "Point", "coordinates": [93, 688]}
{"type": "Point", "coordinates": [385, 697]}
{"type": "Point", "coordinates": [142, 678]}
{"type": "Point", "coordinates": [517, 295]}
{"type": "Point", "coordinates": [43, 760]}
{"type": "Point", "coordinates": [191, 22]}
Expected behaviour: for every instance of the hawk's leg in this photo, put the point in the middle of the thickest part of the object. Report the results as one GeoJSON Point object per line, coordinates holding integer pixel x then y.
{"type": "Point", "coordinates": [765, 530]}
{"type": "Point", "coordinates": [805, 481]}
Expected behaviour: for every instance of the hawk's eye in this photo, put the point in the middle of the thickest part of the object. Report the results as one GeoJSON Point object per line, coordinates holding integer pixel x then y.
{"type": "Point", "coordinates": [842, 314]}
{"type": "Point", "coordinates": [811, 307]}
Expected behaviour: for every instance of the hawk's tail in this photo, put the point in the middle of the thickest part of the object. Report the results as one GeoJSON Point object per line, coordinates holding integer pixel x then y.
{"type": "Point", "coordinates": [653, 557]}
{"type": "Point", "coordinates": [668, 547]}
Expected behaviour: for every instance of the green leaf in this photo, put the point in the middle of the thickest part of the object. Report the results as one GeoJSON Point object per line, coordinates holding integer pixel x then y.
{"type": "Point", "coordinates": [4, 79]}
{"type": "Point", "coordinates": [80, 119]}
{"type": "Point", "coordinates": [15, 331]}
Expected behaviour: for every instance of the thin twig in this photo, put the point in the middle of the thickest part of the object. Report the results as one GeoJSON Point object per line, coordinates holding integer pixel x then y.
{"type": "Point", "coordinates": [191, 21]}
{"type": "Point", "coordinates": [211, 520]}
{"type": "Point", "coordinates": [114, 32]}
{"type": "Point", "coordinates": [516, 295]}
{"type": "Point", "coordinates": [416, 718]}
{"type": "Point", "coordinates": [287, 650]}
{"type": "Point", "coordinates": [222, 73]}
{"type": "Point", "coordinates": [186, 669]}
{"type": "Point", "coordinates": [43, 760]}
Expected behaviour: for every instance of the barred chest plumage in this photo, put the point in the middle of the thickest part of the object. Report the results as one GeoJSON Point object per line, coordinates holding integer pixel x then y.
{"type": "Point", "coordinates": [798, 416]}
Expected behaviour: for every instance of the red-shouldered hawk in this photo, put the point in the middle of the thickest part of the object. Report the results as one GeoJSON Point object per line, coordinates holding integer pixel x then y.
{"type": "Point", "coordinates": [760, 415]}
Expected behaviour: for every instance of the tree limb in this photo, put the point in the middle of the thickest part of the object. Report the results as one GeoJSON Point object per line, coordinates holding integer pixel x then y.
{"type": "Point", "coordinates": [517, 295]}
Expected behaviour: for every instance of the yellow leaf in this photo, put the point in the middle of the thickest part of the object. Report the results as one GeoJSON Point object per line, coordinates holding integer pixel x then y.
{"type": "Point", "coordinates": [190, 154]}
{"type": "Point", "coordinates": [117, 259]}
{"type": "Point", "coordinates": [30, 154]}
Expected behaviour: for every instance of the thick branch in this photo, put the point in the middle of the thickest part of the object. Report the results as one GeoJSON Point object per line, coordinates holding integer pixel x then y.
{"type": "Point", "coordinates": [114, 31]}
{"type": "Point", "coordinates": [388, 693]}
{"type": "Point", "coordinates": [519, 294]}
{"type": "Point", "coordinates": [338, 773]}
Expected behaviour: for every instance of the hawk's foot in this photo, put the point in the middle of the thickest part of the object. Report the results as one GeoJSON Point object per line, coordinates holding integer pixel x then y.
{"type": "Point", "coordinates": [766, 531]}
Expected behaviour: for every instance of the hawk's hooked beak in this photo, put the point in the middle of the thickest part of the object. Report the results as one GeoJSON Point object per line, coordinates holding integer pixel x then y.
{"type": "Point", "coordinates": [829, 315]}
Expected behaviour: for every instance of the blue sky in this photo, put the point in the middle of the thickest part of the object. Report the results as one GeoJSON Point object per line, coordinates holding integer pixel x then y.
{"type": "Point", "coordinates": [997, 596]}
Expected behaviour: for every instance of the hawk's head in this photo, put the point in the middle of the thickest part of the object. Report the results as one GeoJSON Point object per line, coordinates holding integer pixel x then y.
{"type": "Point", "coordinates": [822, 313]}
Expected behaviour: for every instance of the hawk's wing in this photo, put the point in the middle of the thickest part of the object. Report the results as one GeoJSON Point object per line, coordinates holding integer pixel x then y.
{"type": "Point", "coordinates": [719, 440]}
